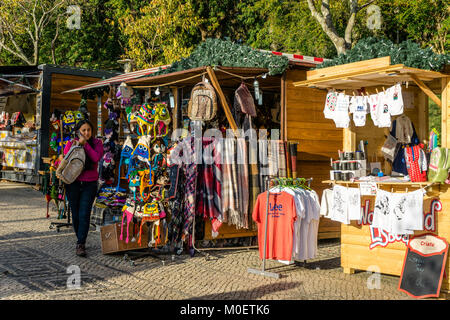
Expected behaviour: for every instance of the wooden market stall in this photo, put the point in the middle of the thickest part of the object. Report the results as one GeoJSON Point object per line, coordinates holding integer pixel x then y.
{"type": "Point", "coordinates": [41, 86]}
{"type": "Point", "coordinates": [360, 249]}
{"type": "Point", "coordinates": [291, 108]}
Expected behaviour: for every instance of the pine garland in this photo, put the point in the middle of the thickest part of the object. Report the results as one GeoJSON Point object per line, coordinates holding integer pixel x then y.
{"type": "Point", "coordinates": [408, 53]}
{"type": "Point", "coordinates": [216, 52]}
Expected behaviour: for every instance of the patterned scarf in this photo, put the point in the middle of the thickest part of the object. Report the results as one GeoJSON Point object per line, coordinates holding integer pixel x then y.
{"type": "Point", "coordinates": [242, 182]}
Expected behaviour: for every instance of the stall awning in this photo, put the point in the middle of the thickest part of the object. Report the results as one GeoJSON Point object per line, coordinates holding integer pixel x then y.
{"type": "Point", "coordinates": [119, 79]}
{"type": "Point", "coordinates": [373, 73]}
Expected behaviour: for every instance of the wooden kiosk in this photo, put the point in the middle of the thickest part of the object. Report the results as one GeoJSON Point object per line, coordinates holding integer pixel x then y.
{"type": "Point", "coordinates": [293, 107]}
{"type": "Point", "coordinates": [361, 250]}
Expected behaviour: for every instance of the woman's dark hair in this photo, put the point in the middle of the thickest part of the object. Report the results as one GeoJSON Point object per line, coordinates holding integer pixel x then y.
{"type": "Point", "coordinates": [88, 163]}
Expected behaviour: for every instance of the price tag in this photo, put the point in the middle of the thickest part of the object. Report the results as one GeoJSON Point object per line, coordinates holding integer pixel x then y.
{"type": "Point", "coordinates": [368, 188]}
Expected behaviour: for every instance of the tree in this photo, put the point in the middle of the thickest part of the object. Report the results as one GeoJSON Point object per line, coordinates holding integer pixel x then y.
{"type": "Point", "coordinates": [22, 24]}
{"type": "Point", "coordinates": [324, 18]}
{"type": "Point", "coordinates": [167, 30]}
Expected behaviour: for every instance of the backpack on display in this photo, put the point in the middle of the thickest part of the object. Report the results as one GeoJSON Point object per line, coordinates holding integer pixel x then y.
{"type": "Point", "coordinates": [72, 165]}
{"type": "Point", "coordinates": [203, 103]}
{"type": "Point", "coordinates": [439, 165]}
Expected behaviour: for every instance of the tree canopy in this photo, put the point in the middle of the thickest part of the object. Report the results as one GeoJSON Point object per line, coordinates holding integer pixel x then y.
{"type": "Point", "coordinates": [160, 32]}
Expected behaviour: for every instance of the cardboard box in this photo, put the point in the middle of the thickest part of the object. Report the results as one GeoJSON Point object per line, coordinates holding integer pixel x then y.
{"type": "Point", "coordinates": [111, 243]}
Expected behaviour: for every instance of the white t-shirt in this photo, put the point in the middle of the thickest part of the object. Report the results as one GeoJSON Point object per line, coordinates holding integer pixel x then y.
{"type": "Point", "coordinates": [381, 213]}
{"type": "Point", "coordinates": [384, 116]}
{"type": "Point", "coordinates": [326, 203]}
{"type": "Point", "coordinates": [354, 204]}
{"type": "Point", "coordinates": [358, 106]}
{"type": "Point", "coordinates": [339, 209]}
{"type": "Point", "coordinates": [407, 212]}
{"type": "Point", "coordinates": [373, 108]}
{"type": "Point", "coordinates": [396, 98]}
{"type": "Point", "coordinates": [341, 117]}
{"type": "Point", "coordinates": [330, 105]}
{"type": "Point", "coordinates": [309, 227]}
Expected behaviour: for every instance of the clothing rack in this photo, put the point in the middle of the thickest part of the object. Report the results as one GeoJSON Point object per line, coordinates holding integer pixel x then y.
{"type": "Point", "coordinates": [263, 271]}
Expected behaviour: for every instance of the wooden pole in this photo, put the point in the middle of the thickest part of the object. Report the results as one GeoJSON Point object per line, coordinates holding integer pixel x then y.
{"type": "Point", "coordinates": [223, 100]}
{"type": "Point", "coordinates": [283, 108]}
{"type": "Point", "coordinates": [445, 105]}
{"type": "Point", "coordinates": [425, 89]}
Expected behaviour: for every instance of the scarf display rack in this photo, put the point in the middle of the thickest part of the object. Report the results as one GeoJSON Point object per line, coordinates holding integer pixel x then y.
{"type": "Point", "coordinates": [268, 181]}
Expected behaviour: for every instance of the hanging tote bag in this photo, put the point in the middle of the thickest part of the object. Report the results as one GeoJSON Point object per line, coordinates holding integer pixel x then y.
{"type": "Point", "coordinates": [390, 148]}
{"type": "Point", "coordinates": [72, 165]}
{"type": "Point", "coordinates": [439, 165]}
{"type": "Point", "coordinates": [416, 163]}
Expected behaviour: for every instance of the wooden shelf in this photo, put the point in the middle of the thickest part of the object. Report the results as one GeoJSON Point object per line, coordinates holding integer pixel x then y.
{"type": "Point", "coordinates": [404, 184]}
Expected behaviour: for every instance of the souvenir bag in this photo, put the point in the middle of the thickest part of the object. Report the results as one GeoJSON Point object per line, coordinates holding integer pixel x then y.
{"type": "Point", "coordinates": [330, 104]}
{"type": "Point", "coordinates": [416, 163]}
{"type": "Point", "coordinates": [390, 148]}
{"type": "Point", "coordinates": [439, 165]}
{"type": "Point", "coordinates": [72, 164]}
{"type": "Point", "coordinates": [244, 99]}
{"type": "Point", "coordinates": [203, 103]}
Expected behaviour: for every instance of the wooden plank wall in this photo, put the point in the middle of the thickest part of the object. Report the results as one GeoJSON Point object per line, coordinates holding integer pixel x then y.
{"type": "Point", "coordinates": [71, 101]}
{"type": "Point", "coordinates": [318, 138]}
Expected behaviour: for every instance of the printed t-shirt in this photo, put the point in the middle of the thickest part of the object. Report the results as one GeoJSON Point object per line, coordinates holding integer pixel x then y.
{"type": "Point", "coordinates": [341, 117]}
{"type": "Point", "coordinates": [406, 212]}
{"type": "Point", "coordinates": [354, 204]}
{"type": "Point", "coordinates": [384, 116]}
{"type": "Point", "coordinates": [381, 213]}
{"type": "Point", "coordinates": [280, 224]}
{"type": "Point", "coordinates": [358, 106]}
{"type": "Point", "coordinates": [339, 209]}
{"type": "Point", "coordinates": [396, 98]}
{"type": "Point", "coordinates": [373, 105]}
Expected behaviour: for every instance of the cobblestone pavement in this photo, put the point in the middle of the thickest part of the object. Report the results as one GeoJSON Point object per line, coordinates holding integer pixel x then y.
{"type": "Point", "coordinates": [34, 262]}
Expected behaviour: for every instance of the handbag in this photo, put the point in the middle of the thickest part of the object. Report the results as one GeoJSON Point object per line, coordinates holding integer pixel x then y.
{"type": "Point", "coordinates": [390, 148]}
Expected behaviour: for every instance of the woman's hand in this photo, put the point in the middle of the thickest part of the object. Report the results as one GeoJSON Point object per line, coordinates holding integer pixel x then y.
{"type": "Point", "coordinates": [81, 139]}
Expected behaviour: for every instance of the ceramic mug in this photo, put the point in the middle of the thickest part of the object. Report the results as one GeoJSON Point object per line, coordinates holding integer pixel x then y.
{"type": "Point", "coordinates": [337, 175]}
{"type": "Point", "coordinates": [348, 155]}
{"type": "Point", "coordinates": [335, 165]}
{"type": "Point", "coordinates": [359, 155]}
{"type": "Point", "coordinates": [347, 176]}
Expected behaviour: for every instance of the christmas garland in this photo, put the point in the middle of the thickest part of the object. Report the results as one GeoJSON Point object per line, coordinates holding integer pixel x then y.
{"type": "Point", "coordinates": [408, 53]}
{"type": "Point", "coordinates": [216, 52]}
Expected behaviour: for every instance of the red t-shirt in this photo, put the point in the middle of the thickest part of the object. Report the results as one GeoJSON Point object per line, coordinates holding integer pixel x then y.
{"type": "Point", "coordinates": [280, 226]}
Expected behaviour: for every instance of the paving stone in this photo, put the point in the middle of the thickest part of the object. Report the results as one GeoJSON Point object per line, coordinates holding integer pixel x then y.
{"type": "Point", "coordinates": [34, 261]}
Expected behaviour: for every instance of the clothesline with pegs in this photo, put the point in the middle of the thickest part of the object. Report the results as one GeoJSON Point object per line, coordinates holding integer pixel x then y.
{"type": "Point", "coordinates": [381, 184]}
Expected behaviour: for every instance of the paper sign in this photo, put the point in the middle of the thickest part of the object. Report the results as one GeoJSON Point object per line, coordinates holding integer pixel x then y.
{"type": "Point", "coordinates": [368, 188]}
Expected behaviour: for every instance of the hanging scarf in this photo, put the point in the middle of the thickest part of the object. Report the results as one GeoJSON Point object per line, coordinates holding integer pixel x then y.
{"type": "Point", "coordinates": [242, 182]}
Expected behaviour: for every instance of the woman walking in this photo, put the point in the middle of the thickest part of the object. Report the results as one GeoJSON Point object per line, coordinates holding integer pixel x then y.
{"type": "Point", "coordinates": [81, 193]}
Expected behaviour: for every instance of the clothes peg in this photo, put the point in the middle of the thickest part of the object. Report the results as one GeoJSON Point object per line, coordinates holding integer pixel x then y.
{"type": "Point", "coordinates": [406, 189]}
{"type": "Point", "coordinates": [407, 82]}
{"type": "Point", "coordinates": [384, 90]}
{"type": "Point", "coordinates": [392, 189]}
{"type": "Point", "coordinates": [376, 89]}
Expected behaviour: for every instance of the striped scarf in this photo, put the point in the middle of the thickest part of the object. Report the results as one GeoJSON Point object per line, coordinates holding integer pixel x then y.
{"type": "Point", "coordinates": [242, 182]}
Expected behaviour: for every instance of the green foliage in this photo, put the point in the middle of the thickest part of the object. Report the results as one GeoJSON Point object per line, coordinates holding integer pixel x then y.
{"type": "Point", "coordinates": [434, 118]}
{"type": "Point", "coordinates": [407, 53]}
{"type": "Point", "coordinates": [216, 52]}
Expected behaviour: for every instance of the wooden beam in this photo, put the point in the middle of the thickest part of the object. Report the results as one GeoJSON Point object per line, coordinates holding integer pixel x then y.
{"type": "Point", "coordinates": [345, 74]}
{"type": "Point", "coordinates": [223, 100]}
{"type": "Point", "coordinates": [349, 139]}
{"type": "Point", "coordinates": [445, 83]}
{"type": "Point", "coordinates": [283, 125]}
{"type": "Point", "coordinates": [425, 89]}
{"type": "Point", "coordinates": [175, 109]}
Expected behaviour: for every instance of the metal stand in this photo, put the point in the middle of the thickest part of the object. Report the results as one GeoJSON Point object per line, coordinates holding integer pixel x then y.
{"type": "Point", "coordinates": [67, 212]}
{"type": "Point", "coordinates": [263, 271]}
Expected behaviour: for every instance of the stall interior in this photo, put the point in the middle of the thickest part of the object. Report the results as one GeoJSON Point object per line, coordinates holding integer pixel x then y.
{"type": "Point", "coordinates": [18, 134]}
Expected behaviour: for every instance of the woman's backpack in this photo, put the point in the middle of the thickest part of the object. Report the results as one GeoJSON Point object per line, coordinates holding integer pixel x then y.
{"type": "Point", "coordinates": [439, 165]}
{"type": "Point", "coordinates": [72, 165]}
{"type": "Point", "coordinates": [203, 103]}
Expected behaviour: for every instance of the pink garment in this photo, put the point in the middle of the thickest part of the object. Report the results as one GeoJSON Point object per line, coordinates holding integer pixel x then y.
{"type": "Point", "coordinates": [95, 154]}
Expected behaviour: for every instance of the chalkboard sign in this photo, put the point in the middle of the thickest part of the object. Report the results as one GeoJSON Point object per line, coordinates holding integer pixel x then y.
{"type": "Point", "coordinates": [423, 266]}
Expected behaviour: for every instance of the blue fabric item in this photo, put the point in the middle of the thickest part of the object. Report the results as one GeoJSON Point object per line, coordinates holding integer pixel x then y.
{"type": "Point", "coordinates": [81, 196]}
{"type": "Point", "coordinates": [399, 164]}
